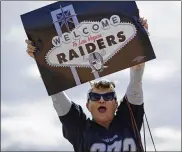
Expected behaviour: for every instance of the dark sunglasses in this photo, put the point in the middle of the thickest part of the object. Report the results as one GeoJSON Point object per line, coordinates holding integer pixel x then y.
{"type": "Point", "coordinates": [106, 96]}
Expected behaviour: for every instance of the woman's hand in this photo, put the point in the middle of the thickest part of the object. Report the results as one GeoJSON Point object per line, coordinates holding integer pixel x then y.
{"type": "Point", "coordinates": [144, 23]}
{"type": "Point", "coordinates": [30, 48]}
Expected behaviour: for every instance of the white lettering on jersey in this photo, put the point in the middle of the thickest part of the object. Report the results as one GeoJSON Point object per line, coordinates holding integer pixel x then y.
{"type": "Point", "coordinates": [128, 144]}
{"type": "Point", "coordinates": [115, 147]}
{"type": "Point", "coordinates": [98, 147]}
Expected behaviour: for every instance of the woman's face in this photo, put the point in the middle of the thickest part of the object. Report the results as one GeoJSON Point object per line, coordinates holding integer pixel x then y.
{"type": "Point", "coordinates": [102, 111]}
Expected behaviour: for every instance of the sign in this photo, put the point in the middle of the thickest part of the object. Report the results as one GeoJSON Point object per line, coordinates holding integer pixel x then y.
{"type": "Point", "coordinates": [82, 41]}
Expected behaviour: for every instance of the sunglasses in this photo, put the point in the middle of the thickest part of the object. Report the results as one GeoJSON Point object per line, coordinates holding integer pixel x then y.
{"type": "Point", "coordinates": [106, 96]}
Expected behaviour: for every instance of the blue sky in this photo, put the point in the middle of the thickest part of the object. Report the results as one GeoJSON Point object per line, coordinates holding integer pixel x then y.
{"type": "Point", "coordinates": [28, 119]}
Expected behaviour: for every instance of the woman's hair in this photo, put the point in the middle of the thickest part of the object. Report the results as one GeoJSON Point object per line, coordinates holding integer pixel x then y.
{"type": "Point", "coordinates": [104, 84]}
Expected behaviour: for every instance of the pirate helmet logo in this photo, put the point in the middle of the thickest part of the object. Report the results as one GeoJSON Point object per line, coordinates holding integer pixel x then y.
{"type": "Point", "coordinates": [96, 61]}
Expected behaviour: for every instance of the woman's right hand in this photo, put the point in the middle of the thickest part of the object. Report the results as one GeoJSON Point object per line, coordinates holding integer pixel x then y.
{"type": "Point", "coordinates": [30, 48]}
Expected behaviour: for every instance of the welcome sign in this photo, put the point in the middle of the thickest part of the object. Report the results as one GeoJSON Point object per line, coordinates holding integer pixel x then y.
{"type": "Point", "coordinates": [88, 38]}
{"type": "Point", "coordinates": [82, 41]}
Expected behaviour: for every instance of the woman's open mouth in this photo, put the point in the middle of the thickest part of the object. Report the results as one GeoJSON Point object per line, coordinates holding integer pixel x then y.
{"type": "Point", "coordinates": [102, 109]}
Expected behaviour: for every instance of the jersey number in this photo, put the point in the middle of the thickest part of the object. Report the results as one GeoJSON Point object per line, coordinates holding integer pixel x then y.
{"type": "Point", "coordinates": [128, 144]}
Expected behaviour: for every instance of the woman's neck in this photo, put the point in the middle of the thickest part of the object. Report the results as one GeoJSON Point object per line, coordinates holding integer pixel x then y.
{"type": "Point", "coordinates": [105, 124]}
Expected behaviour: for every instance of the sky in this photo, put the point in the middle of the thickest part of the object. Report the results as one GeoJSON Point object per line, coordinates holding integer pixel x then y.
{"type": "Point", "coordinates": [28, 119]}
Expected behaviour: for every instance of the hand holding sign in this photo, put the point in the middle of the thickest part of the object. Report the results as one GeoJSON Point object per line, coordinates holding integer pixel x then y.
{"type": "Point", "coordinates": [30, 48]}
{"type": "Point", "coordinates": [143, 21]}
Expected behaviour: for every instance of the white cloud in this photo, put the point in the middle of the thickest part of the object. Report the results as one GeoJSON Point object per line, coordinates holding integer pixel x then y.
{"type": "Point", "coordinates": [32, 71]}
{"type": "Point", "coordinates": [165, 20]}
{"type": "Point", "coordinates": [165, 139]}
{"type": "Point", "coordinates": [170, 137]}
{"type": "Point", "coordinates": [15, 35]}
{"type": "Point", "coordinates": [158, 70]}
{"type": "Point", "coordinates": [32, 123]}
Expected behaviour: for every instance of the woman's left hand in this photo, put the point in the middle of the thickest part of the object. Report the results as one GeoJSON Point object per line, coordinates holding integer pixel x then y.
{"type": "Point", "coordinates": [143, 21]}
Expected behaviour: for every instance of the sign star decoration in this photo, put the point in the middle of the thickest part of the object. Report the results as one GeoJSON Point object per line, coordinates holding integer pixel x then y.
{"type": "Point", "coordinates": [65, 17]}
